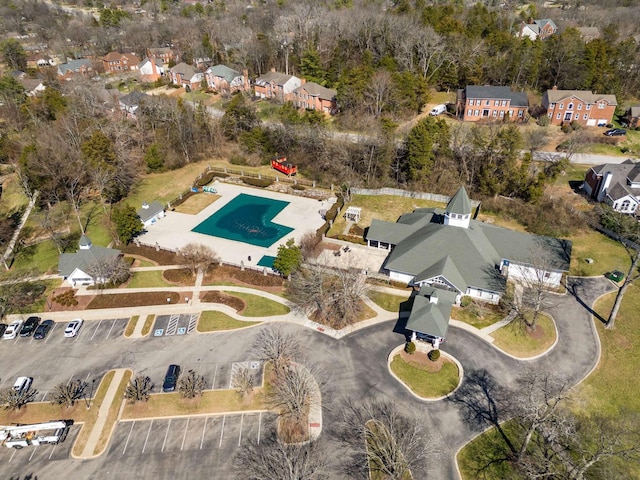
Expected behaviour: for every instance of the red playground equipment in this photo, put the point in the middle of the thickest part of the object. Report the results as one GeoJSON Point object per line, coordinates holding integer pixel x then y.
{"type": "Point", "coordinates": [283, 166]}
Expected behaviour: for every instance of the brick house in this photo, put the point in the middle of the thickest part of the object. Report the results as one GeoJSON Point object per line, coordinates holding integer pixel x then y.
{"type": "Point", "coordinates": [224, 79]}
{"type": "Point", "coordinates": [581, 106]}
{"type": "Point", "coordinates": [150, 69]}
{"type": "Point", "coordinates": [276, 85]}
{"type": "Point", "coordinates": [81, 66]}
{"type": "Point", "coordinates": [617, 185]}
{"type": "Point", "coordinates": [164, 54]}
{"type": "Point", "coordinates": [477, 103]}
{"type": "Point", "coordinates": [115, 62]}
{"type": "Point", "coordinates": [315, 97]}
{"type": "Point", "coordinates": [534, 29]}
{"type": "Point", "coordinates": [186, 76]}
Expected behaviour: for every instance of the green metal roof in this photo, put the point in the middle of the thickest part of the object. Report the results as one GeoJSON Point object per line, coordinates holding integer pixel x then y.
{"type": "Point", "coordinates": [83, 259]}
{"type": "Point", "coordinates": [460, 203]}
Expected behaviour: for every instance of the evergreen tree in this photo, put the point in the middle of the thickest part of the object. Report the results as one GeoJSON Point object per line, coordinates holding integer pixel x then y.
{"type": "Point", "coordinates": [127, 223]}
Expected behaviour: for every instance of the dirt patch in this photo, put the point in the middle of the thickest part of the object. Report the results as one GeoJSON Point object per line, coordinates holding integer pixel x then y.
{"type": "Point", "coordinates": [537, 334]}
{"type": "Point", "coordinates": [182, 277]}
{"type": "Point", "coordinates": [421, 360]}
{"type": "Point", "coordinates": [221, 297]}
{"type": "Point", "coordinates": [124, 300]}
{"type": "Point", "coordinates": [223, 273]}
{"type": "Point", "coordinates": [51, 306]}
{"type": "Point", "coordinates": [159, 257]}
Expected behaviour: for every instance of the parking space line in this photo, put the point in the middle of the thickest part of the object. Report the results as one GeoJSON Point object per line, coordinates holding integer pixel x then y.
{"type": "Point", "coordinates": [213, 385]}
{"type": "Point", "coordinates": [35, 447]}
{"type": "Point", "coordinates": [112, 325]}
{"type": "Point", "coordinates": [96, 330]}
{"type": "Point", "coordinates": [69, 382]}
{"type": "Point", "coordinates": [88, 375]}
{"type": "Point", "coordinates": [12, 454]}
{"type": "Point", "coordinates": [222, 431]}
{"type": "Point", "coordinates": [184, 437]}
{"type": "Point", "coordinates": [147, 439]}
{"type": "Point", "coordinates": [55, 324]}
{"type": "Point", "coordinates": [204, 429]}
{"type": "Point", "coordinates": [44, 396]}
{"type": "Point", "coordinates": [128, 437]}
{"type": "Point", "coordinates": [166, 434]}
{"type": "Point", "coordinates": [240, 436]}
{"type": "Point", "coordinates": [259, 426]}
{"type": "Point", "coordinates": [53, 447]}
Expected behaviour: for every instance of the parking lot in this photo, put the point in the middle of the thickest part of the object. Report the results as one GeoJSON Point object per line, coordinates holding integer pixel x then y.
{"type": "Point", "coordinates": [10, 457]}
{"type": "Point", "coordinates": [175, 324]}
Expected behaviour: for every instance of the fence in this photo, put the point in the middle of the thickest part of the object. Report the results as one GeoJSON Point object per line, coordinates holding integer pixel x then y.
{"type": "Point", "coordinates": [276, 178]}
{"type": "Point", "coordinates": [434, 197]}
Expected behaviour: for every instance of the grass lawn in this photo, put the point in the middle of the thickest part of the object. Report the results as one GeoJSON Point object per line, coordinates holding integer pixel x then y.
{"type": "Point", "coordinates": [514, 340]}
{"type": "Point", "coordinates": [388, 301]}
{"type": "Point", "coordinates": [266, 109]}
{"type": "Point", "coordinates": [256, 306]}
{"type": "Point", "coordinates": [196, 203]}
{"type": "Point", "coordinates": [607, 254]}
{"type": "Point", "coordinates": [211, 401]}
{"type": "Point", "coordinates": [478, 314]}
{"type": "Point", "coordinates": [474, 457]}
{"type": "Point", "coordinates": [96, 224]}
{"type": "Point", "coordinates": [212, 321]}
{"type": "Point", "coordinates": [148, 323]}
{"type": "Point", "coordinates": [131, 326]}
{"type": "Point", "coordinates": [41, 258]}
{"type": "Point", "coordinates": [13, 198]}
{"type": "Point", "coordinates": [147, 280]}
{"type": "Point", "coordinates": [424, 383]}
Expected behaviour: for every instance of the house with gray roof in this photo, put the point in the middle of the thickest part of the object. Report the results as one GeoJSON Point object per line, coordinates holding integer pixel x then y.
{"type": "Point", "coordinates": [537, 29]}
{"type": "Point", "coordinates": [632, 116]}
{"type": "Point", "coordinates": [227, 80]}
{"type": "Point", "coordinates": [617, 185]}
{"type": "Point", "coordinates": [150, 213]}
{"type": "Point", "coordinates": [429, 317]}
{"type": "Point", "coordinates": [277, 85]}
{"type": "Point", "coordinates": [73, 67]}
{"type": "Point", "coordinates": [313, 96]}
{"type": "Point", "coordinates": [448, 250]}
{"type": "Point", "coordinates": [75, 268]}
{"type": "Point", "coordinates": [579, 106]}
{"type": "Point", "coordinates": [186, 76]}
{"type": "Point", "coordinates": [487, 103]}
{"type": "Point", "coordinates": [130, 103]}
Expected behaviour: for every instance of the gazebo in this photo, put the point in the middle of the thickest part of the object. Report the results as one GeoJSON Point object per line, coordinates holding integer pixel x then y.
{"type": "Point", "coordinates": [353, 214]}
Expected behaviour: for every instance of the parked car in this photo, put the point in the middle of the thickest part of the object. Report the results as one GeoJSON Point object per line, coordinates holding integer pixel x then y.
{"type": "Point", "coordinates": [29, 326]}
{"type": "Point", "coordinates": [3, 327]}
{"type": "Point", "coordinates": [171, 378]}
{"type": "Point", "coordinates": [12, 330]}
{"type": "Point", "coordinates": [43, 329]}
{"type": "Point", "coordinates": [73, 327]}
{"type": "Point", "coordinates": [615, 132]}
{"type": "Point", "coordinates": [438, 109]}
{"type": "Point", "coordinates": [22, 384]}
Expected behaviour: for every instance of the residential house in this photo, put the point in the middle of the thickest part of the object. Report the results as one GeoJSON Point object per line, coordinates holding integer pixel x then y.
{"type": "Point", "coordinates": [186, 76]}
{"type": "Point", "coordinates": [632, 116]}
{"type": "Point", "coordinates": [279, 86]}
{"type": "Point", "coordinates": [588, 33]}
{"type": "Point", "coordinates": [448, 250]}
{"type": "Point", "coordinates": [164, 54]}
{"type": "Point", "coordinates": [150, 69]}
{"type": "Point", "coordinates": [115, 62]}
{"type": "Point", "coordinates": [40, 60]}
{"type": "Point", "coordinates": [617, 185]}
{"type": "Point", "coordinates": [476, 103]}
{"type": "Point", "coordinates": [131, 102]}
{"type": "Point", "coordinates": [81, 66]}
{"type": "Point", "coordinates": [226, 80]}
{"type": "Point", "coordinates": [150, 213]}
{"type": "Point", "coordinates": [534, 29]}
{"type": "Point", "coordinates": [75, 268]}
{"type": "Point", "coordinates": [312, 96]}
{"type": "Point", "coordinates": [32, 86]}
{"type": "Point", "coordinates": [581, 106]}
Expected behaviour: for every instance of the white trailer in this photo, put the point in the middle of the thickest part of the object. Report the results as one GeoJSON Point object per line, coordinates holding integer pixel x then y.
{"type": "Point", "coordinates": [19, 436]}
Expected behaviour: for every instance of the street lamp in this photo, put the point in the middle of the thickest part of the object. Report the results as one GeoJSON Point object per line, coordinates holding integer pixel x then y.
{"type": "Point", "coordinates": [88, 401]}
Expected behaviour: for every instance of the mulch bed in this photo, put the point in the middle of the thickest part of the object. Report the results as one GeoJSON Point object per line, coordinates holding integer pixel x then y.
{"type": "Point", "coordinates": [124, 300]}
{"type": "Point", "coordinates": [251, 278]}
{"type": "Point", "coordinates": [182, 277]}
{"type": "Point", "coordinates": [161, 257]}
{"type": "Point", "coordinates": [83, 301]}
{"type": "Point", "coordinates": [421, 360]}
{"type": "Point", "coordinates": [137, 260]}
{"type": "Point", "coordinates": [221, 297]}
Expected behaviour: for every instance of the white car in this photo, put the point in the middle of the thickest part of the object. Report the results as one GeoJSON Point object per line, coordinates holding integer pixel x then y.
{"type": "Point", "coordinates": [12, 330]}
{"type": "Point", "coordinates": [22, 384]}
{"type": "Point", "coordinates": [73, 327]}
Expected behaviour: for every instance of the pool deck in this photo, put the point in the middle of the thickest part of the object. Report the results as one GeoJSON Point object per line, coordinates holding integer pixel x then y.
{"type": "Point", "coordinates": [174, 231]}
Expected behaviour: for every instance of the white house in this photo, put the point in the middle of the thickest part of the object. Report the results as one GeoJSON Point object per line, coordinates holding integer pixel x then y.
{"type": "Point", "coordinates": [151, 213]}
{"type": "Point", "coordinates": [150, 69]}
{"type": "Point", "coordinates": [75, 267]}
{"type": "Point", "coordinates": [617, 185]}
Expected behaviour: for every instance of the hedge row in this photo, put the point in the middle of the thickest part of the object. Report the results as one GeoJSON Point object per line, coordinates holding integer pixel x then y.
{"type": "Point", "coordinates": [350, 238]}
{"type": "Point", "coordinates": [329, 217]}
{"type": "Point", "coordinates": [257, 182]}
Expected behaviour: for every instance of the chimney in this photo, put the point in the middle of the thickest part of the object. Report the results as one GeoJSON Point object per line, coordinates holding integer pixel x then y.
{"type": "Point", "coordinates": [272, 70]}
{"type": "Point", "coordinates": [433, 298]}
{"type": "Point", "coordinates": [245, 78]}
{"type": "Point", "coordinates": [302, 81]}
{"type": "Point", "coordinates": [555, 87]}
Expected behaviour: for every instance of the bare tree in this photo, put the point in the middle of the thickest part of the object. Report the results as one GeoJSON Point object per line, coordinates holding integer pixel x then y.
{"type": "Point", "coordinates": [243, 382]}
{"type": "Point", "coordinates": [275, 345]}
{"type": "Point", "coordinates": [191, 385]}
{"type": "Point", "coordinates": [383, 439]}
{"type": "Point", "coordinates": [109, 269]}
{"type": "Point", "coordinates": [14, 399]}
{"type": "Point", "coordinates": [138, 389]}
{"type": "Point", "coordinates": [198, 257]}
{"type": "Point", "coordinates": [310, 244]}
{"type": "Point", "coordinates": [68, 393]}
{"type": "Point", "coordinates": [271, 459]}
{"type": "Point", "coordinates": [378, 93]}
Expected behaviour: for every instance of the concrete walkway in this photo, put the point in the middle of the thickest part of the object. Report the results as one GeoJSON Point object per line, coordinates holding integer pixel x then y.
{"type": "Point", "coordinates": [103, 413]}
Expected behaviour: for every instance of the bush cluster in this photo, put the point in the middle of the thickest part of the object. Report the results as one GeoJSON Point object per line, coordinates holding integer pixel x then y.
{"type": "Point", "coordinates": [66, 299]}
{"type": "Point", "coordinates": [410, 348]}
{"type": "Point", "coordinates": [179, 201]}
{"type": "Point", "coordinates": [257, 182]}
{"type": "Point", "coordinates": [465, 301]}
{"type": "Point", "coordinates": [237, 160]}
{"type": "Point", "coordinates": [350, 238]}
{"type": "Point", "coordinates": [434, 355]}
{"type": "Point", "coordinates": [297, 187]}
{"type": "Point", "coordinates": [204, 179]}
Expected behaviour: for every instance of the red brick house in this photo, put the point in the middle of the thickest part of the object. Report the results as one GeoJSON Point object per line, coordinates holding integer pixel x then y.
{"type": "Point", "coordinates": [150, 69]}
{"type": "Point", "coordinates": [164, 54]}
{"type": "Point", "coordinates": [115, 62]}
{"type": "Point", "coordinates": [581, 106]}
{"type": "Point", "coordinates": [276, 85]}
{"type": "Point", "coordinates": [315, 97]}
{"type": "Point", "coordinates": [534, 29]}
{"type": "Point", "coordinates": [477, 103]}
{"type": "Point", "coordinates": [186, 76]}
{"type": "Point", "coordinates": [224, 79]}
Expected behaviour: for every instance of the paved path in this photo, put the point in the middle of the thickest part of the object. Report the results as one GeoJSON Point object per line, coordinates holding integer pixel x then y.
{"type": "Point", "coordinates": [103, 413]}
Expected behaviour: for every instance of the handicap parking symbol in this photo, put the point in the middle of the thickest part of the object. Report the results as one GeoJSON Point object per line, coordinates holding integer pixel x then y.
{"type": "Point", "coordinates": [182, 330]}
{"type": "Point", "coordinates": [158, 332]}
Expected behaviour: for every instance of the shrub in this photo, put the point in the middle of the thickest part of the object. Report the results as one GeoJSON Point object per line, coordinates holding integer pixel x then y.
{"type": "Point", "coordinates": [543, 121]}
{"type": "Point", "coordinates": [66, 299]}
{"type": "Point", "coordinates": [350, 238]}
{"type": "Point", "coordinates": [237, 160]}
{"type": "Point", "coordinates": [410, 348]}
{"type": "Point", "coordinates": [575, 126]}
{"type": "Point", "coordinates": [221, 175]}
{"type": "Point", "coordinates": [204, 179]}
{"type": "Point", "coordinates": [297, 187]}
{"type": "Point", "coordinates": [465, 301]}
{"type": "Point", "coordinates": [434, 355]}
{"type": "Point", "coordinates": [257, 182]}
{"type": "Point", "coordinates": [566, 128]}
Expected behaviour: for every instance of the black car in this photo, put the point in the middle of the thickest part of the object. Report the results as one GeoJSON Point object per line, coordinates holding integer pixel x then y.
{"type": "Point", "coordinates": [615, 132]}
{"type": "Point", "coordinates": [43, 329]}
{"type": "Point", "coordinates": [3, 327]}
{"type": "Point", "coordinates": [29, 326]}
{"type": "Point", "coordinates": [171, 378]}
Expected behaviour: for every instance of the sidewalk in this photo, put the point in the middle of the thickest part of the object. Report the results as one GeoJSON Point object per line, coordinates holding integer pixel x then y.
{"type": "Point", "coordinates": [103, 413]}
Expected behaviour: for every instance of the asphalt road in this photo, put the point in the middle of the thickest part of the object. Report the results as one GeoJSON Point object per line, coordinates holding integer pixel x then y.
{"type": "Point", "coordinates": [202, 447]}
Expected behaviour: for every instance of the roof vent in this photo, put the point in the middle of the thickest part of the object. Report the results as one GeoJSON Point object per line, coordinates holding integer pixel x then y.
{"type": "Point", "coordinates": [145, 205]}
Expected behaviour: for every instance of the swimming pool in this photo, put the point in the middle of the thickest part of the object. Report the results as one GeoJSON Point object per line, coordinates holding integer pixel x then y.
{"type": "Point", "coordinates": [247, 219]}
